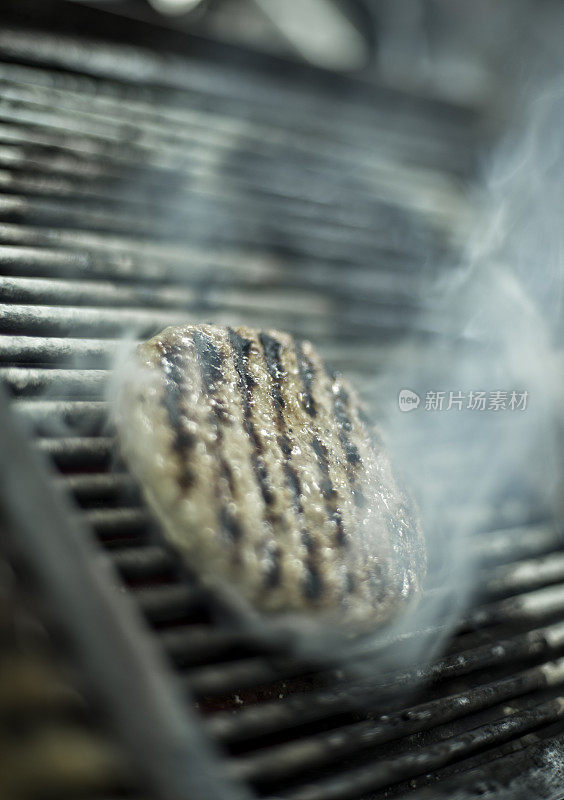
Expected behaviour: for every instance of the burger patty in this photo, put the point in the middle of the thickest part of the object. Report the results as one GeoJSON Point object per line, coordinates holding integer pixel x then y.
{"type": "Point", "coordinates": [266, 475]}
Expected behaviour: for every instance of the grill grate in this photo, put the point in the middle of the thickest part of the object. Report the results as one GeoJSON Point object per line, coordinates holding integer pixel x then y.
{"type": "Point", "coordinates": [142, 188]}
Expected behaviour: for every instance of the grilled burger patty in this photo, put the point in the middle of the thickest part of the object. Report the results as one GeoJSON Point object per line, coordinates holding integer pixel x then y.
{"type": "Point", "coordinates": [265, 474]}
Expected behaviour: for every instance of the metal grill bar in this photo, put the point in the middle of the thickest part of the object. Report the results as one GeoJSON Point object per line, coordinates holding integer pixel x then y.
{"type": "Point", "coordinates": [55, 350]}
{"type": "Point", "coordinates": [527, 607]}
{"type": "Point", "coordinates": [529, 574]}
{"type": "Point", "coordinates": [526, 765]}
{"type": "Point", "coordinates": [109, 294]}
{"type": "Point", "coordinates": [143, 563]}
{"type": "Point", "coordinates": [158, 146]}
{"type": "Point", "coordinates": [545, 642]}
{"type": "Point", "coordinates": [140, 209]}
{"type": "Point", "coordinates": [72, 213]}
{"type": "Point", "coordinates": [99, 487]}
{"type": "Point", "coordinates": [295, 711]}
{"type": "Point", "coordinates": [382, 773]}
{"type": "Point", "coordinates": [110, 522]}
{"type": "Point", "coordinates": [97, 353]}
{"type": "Point", "coordinates": [286, 760]}
{"type": "Point", "coordinates": [147, 262]}
{"type": "Point", "coordinates": [26, 382]}
{"type": "Point", "coordinates": [517, 542]}
{"type": "Point", "coordinates": [87, 416]}
{"type": "Point", "coordinates": [163, 129]}
{"type": "Point", "coordinates": [128, 322]}
{"type": "Point", "coordinates": [389, 124]}
{"type": "Point", "coordinates": [73, 452]}
{"type": "Point", "coordinates": [172, 603]}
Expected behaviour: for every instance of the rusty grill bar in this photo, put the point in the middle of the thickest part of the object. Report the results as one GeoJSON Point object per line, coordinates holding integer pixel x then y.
{"type": "Point", "coordinates": [140, 188]}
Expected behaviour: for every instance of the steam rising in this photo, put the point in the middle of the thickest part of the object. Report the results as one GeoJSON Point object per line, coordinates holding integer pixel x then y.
{"type": "Point", "coordinates": [499, 322]}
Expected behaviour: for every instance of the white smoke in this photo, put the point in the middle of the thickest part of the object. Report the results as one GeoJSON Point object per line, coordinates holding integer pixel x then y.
{"type": "Point", "coordinates": [498, 317]}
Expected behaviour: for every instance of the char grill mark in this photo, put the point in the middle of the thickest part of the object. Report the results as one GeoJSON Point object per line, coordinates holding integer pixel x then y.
{"type": "Point", "coordinates": [307, 373]}
{"type": "Point", "coordinates": [173, 364]}
{"type": "Point", "coordinates": [340, 406]}
{"type": "Point", "coordinates": [353, 460]}
{"type": "Point", "coordinates": [210, 361]}
{"type": "Point", "coordinates": [313, 585]}
{"type": "Point", "coordinates": [328, 490]}
{"type": "Point", "coordinates": [273, 574]}
{"type": "Point", "coordinates": [272, 348]}
{"type": "Point", "coordinates": [241, 349]}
